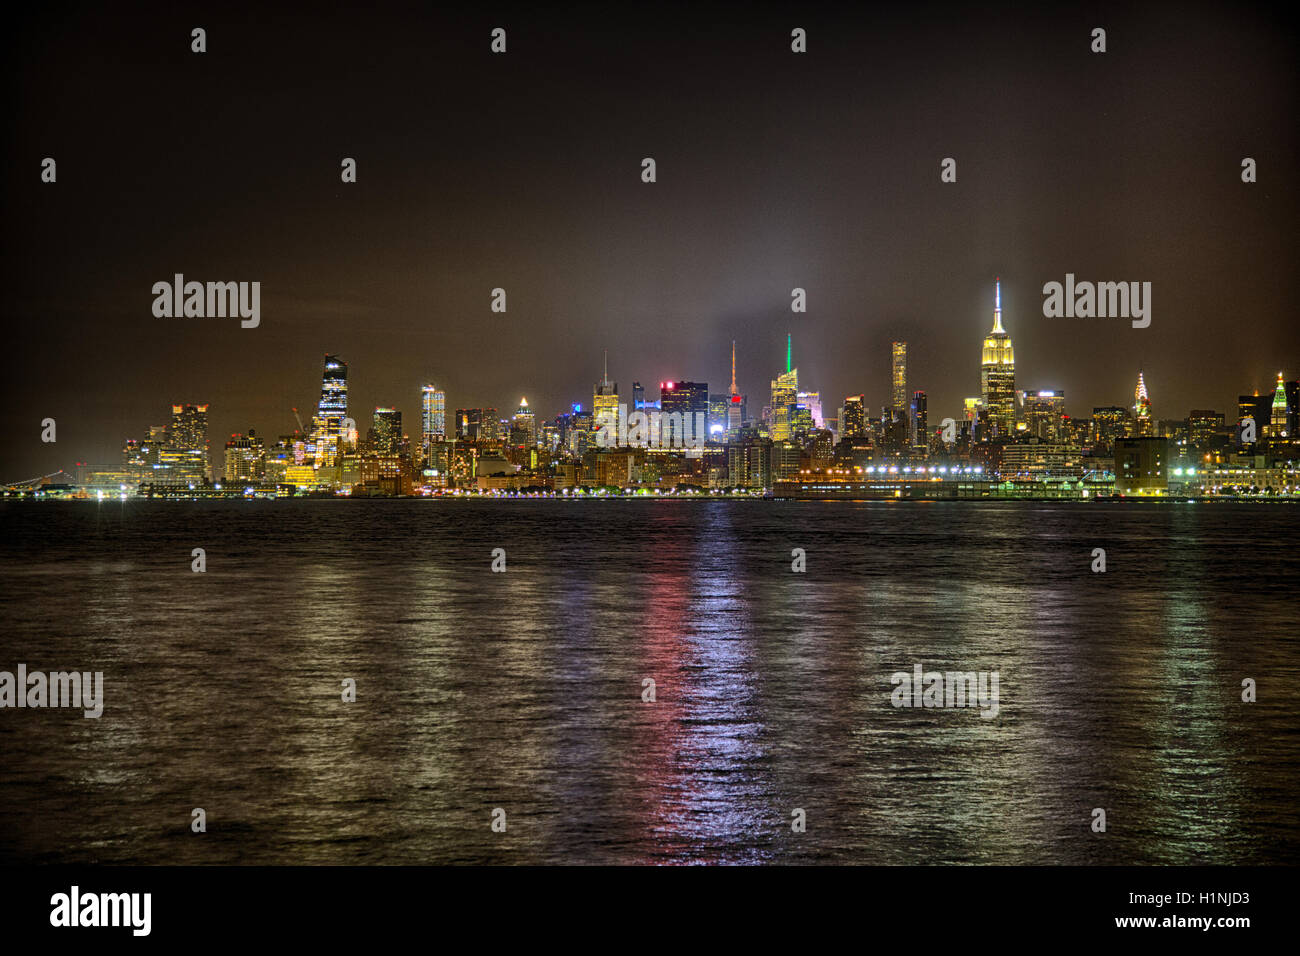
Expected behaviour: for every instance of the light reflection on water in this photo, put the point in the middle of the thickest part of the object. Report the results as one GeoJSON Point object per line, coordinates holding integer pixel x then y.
{"type": "Point", "coordinates": [523, 690]}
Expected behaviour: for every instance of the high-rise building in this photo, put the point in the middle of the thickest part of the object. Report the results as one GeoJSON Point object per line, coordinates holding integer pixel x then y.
{"type": "Point", "coordinates": [735, 401]}
{"type": "Point", "coordinates": [135, 460]}
{"type": "Point", "coordinates": [719, 409]}
{"type": "Point", "coordinates": [801, 420]}
{"type": "Point", "coordinates": [580, 433]}
{"type": "Point", "coordinates": [900, 401]}
{"type": "Point", "coordinates": [604, 405]}
{"type": "Point", "coordinates": [1203, 427]}
{"type": "Point", "coordinates": [433, 415]}
{"type": "Point", "coordinates": [1044, 413]}
{"type": "Point", "coordinates": [998, 372]}
{"type": "Point", "coordinates": [245, 458]}
{"type": "Point", "coordinates": [1141, 410]}
{"type": "Point", "coordinates": [749, 460]}
{"type": "Point", "coordinates": [785, 396]}
{"type": "Point", "coordinates": [899, 375]}
{"type": "Point", "coordinates": [184, 453]}
{"type": "Point", "coordinates": [690, 400]}
{"type": "Point", "coordinates": [1278, 426]}
{"type": "Point", "coordinates": [574, 431]}
{"type": "Point", "coordinates": [920, 425]}
{"type": "Point", "coordinates": [189, 427]}
{"type": "Point", "coordinates": [1259, 409]}
{"type": "Point", "coordinates": [976, 417]}
{"type": "Point", "coordinates": [1109, 424]}
{"type": "Point", "coordinates": [895, 432]}
{"type": "Point", "coordinates": [328, 438]}
{"type": "Point", "coordinates": [736, 414]}
{"type": "Point", "coordinates": [523, 426]}
{"type": "Point", "coordinates": [813, 402]}
{"type": "Point", "coordinates": [853, 417]}
{"type": "Point", "coordinates": [785, 392]}
{"type": "Point", "coordinates": [786, 458]}
{"type": "Point", "coordinates": [477, 425]}
{"type": "Point", "coordinates": [386, 432]}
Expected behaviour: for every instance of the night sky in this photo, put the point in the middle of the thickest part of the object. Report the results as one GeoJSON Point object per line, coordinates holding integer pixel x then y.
{"type": "Point", "coordinates": [522, 170]}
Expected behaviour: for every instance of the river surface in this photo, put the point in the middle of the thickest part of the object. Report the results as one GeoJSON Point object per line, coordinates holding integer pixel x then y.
{"type": "Point", "coordinates": [522, 691]}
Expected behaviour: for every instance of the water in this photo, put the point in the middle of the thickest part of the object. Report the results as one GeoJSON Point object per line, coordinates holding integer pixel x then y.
{"type": "Point", "coordinates": [478, 690]}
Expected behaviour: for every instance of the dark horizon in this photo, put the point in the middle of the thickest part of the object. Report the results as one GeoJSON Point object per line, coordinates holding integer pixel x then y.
{"type": "Point", "coordinates": [522, 171]}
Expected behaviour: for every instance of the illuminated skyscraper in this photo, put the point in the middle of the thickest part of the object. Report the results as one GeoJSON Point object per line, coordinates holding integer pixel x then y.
{"type": "Point", "coordinates": [736, 401]}
{"type": "Point", "coordinates": [433, 415]}
{"type": "Point", "coordinates": [1141, 409]}
{"type": "Point", "coordinates": [184, 455]}
{"type": "Point", "coordinates": [386, 432]}
{"type": "Point", "coordinates": [899, 397]}
{"type": "Point", "coordinates": [523, 427]}
{"type": "Point", "coordinates": [1203, 427]}
{"type": "Point", "coordinates": [245, 458]}
{"type": "Point", "coordinates": [189, 427]}
{"type": "Point", "coordinates": [853, 417]}
{"type": "Point", "coordinates": [895, 430]}
{"type": "Point", "coordinates": [998, 372]}
{"type": "Point", "coordinates": [813, 402]}
{"type": "Point", "coordinates": [1254, 413]}
{"type": "Point", "coordinates": [801, 420]}
{"type": "Point", "coordinates": [604, 405]}
{"type": "Point", "coordinates": [719, 409]}
{"type": "Point", "coordinates": [1044, 413]}
{"type": "Point", "coordinates": [477, 424]}
{"type": "Point", "coordinates": [1109, 424]}
{"type": "Point", "coordinates": [328, 436]}
{"type": "Point", "coordinates": [690, 401]}
{"type": "Point", "coordinates": [1278, 425]}
{"type": "Point", "coordinates": [920, 425]}
{"type": "Point", "coordinates": [785, 395]}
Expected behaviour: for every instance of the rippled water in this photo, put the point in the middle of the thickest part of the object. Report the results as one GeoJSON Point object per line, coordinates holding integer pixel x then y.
{"type": "Point", "coordinates": [522, 690]}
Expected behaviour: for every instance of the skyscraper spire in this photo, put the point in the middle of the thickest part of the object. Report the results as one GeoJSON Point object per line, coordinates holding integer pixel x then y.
{"type": "Point", "coordinates": [1142, 407]}
{"type": "Point", "coordinates": [604, 376]}
{"type": "Point", "coordinates": [1278, 415]}
{"type": "Point", "coordinates": [789, 351]}
{"type": "Point", "coordinates": [733, 368]}
{"type": "Point", "coordinates": [998, 370]}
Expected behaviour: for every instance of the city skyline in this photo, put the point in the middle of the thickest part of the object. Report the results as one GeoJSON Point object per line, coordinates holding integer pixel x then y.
{"type": "Point", "coordinates": [1024, 440]}
{"type": "Point", "coordinates": [270, 423]}
{"type": "Point", "coordinates": [431, 415]}
{"type": "Point", "coordinates": [788, 175]}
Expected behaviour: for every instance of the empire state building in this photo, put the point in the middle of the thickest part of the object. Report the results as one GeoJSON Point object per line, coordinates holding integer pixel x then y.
{"type": "Point", "coordinates": [998, 371]}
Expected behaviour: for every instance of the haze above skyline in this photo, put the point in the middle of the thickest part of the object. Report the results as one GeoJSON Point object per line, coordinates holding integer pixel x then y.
{"type": "Point", "coordinates": [522, 171]}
